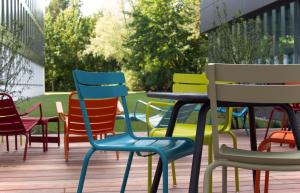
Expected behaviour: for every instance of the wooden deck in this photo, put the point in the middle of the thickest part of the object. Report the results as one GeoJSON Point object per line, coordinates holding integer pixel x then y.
{"type": "Point", "coordinates": [49, 173]}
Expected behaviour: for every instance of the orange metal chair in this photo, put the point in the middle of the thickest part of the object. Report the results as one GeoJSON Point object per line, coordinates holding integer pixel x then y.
{"type": "Point", "coordinates": [281, 137]}
{"type": "Point", "coordinates": [74, 128]}
{"type": "Point", "coordinates": [284, 120]}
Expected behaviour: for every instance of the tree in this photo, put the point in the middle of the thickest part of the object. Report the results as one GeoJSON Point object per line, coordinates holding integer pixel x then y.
{"type": "Point", "coordinates": [164, 41]}
{"type": "Point", "coordinates": [66, 37]}
{"type": "Point", "coordinates": [57, 6]}
{"type": "Point", "coordinates": [15, 70]}
{"type": "Point", "coordinates": [240, 41]}
{"type": "Point", "coordinates": [110, 34]}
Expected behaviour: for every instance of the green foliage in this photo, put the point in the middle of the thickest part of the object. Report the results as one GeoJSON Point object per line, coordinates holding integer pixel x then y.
{"type": "Point", "coordinates": [66, 37]}
{"type": "Point", "coordinates": [57, 6]}
{"type": "Point", "coordinates": [240, 41]}
{"type": "Point", "coordinates": [14, 69]}
{"type": "Point", "coordinates": [165, 39]}
{"type": "Point", "coordinates": [110, 33]}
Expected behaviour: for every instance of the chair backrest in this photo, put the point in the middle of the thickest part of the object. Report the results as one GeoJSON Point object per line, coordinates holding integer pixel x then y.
{"type": "Point", "coordinates": [251, 83]}
{"type": "Point", "coordinates": [196, 83]}
{"type": "Point", "coordinates": [10, 121]}
{"type": "Point", "coordinates": [105, 86]}
{"type": "Point", "coordinates": [101, 114]}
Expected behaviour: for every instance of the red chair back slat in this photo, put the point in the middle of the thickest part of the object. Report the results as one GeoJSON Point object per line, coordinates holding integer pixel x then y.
{"type": "Point", "coordinates": [101, 115]}
{"type": "Point", "coordinates": [10, 122]}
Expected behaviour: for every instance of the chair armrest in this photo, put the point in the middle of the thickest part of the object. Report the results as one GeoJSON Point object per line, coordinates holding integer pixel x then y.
{"type": "Point", "coordinates": [149, 107]}
{"type": "Point", "coordinates": [34, 107]}
{"type": "Point", "coordinates": [59, 109]}
{"type": "Point", "coordinates": [146, 104]}
{"type": "Point", "coordinates": [120, 109]}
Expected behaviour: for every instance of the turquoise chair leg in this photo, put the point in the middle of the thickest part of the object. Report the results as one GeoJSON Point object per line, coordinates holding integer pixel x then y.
{"type": "Point", "coordinates": [126, 172]}
{"type": "Point", "coordinates": [165, 175]}
{"type": "Point", "coordinates": [84, 168]}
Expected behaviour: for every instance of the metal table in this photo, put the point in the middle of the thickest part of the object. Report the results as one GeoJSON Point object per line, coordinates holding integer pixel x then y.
{"type": "Point", "coordinates": [187, 98]}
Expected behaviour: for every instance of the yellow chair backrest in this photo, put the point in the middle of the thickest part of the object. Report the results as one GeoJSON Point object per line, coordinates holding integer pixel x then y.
{"type": "Point", "coordinates": [196, 83]}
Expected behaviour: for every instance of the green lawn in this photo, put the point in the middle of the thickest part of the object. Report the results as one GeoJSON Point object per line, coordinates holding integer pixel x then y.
{"type": "Point", "coordinates": [49, 108]}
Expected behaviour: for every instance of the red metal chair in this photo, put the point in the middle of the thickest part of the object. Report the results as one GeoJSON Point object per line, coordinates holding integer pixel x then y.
{"type": "Point", "coordinates": [11, 122]}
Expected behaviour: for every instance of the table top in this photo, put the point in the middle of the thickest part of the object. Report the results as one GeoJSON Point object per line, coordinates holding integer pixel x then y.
{"type": "Point", "coordinates": [202, 98]}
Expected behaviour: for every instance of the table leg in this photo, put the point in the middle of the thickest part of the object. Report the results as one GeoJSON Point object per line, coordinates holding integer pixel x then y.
{"type": "Point", "coordinates": [253, 140]}
{"type": "Point", "coordinates": [194, 179]}
{"type": "Point", "coordinates": [169, 133]}
{"type": "Point", "coordinates": [294, 124]}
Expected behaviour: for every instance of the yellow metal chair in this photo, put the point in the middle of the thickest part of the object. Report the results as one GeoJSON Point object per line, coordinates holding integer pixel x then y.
{"type": "Point", "coordinates": [196, 83]}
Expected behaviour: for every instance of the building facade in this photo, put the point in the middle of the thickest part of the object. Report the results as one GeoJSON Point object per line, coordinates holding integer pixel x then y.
{"type": "Point", "coordinates": [29, 16]}
{"type": "Point", "coordinates": [279, 18]}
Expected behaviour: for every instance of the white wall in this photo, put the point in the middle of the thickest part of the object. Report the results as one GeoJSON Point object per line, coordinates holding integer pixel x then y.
{"type": "Point", "coordinates": [30, 86]}
{"type": "Point", "coordinates": [36, 86]}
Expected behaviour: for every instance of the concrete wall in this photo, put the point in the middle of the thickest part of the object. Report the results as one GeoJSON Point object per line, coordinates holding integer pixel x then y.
{"type": "Point", "coordinates": [233, 7]}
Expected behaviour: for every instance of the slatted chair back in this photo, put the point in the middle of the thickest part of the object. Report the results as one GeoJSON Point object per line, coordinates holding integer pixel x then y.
{"type": "Point", "coordinates": [92, 86]}
{"type": "Point", "coordinates": [252, 83]}
{"type": "Point", "coordinates": [101, 114]}
{"type": "Point", "coordinates": [182, 82]}
{"type": "Point", "coordinates": [196, 83]}
{"type": "Point", "coordinates": [10, 121]}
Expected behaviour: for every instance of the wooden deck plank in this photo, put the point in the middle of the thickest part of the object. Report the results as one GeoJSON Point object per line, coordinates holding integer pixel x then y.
{"type": "Point", "coordinates": [45, 172]}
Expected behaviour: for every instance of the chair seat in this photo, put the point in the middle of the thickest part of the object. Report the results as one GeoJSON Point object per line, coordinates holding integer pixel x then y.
{"type": "Point", "coordinates": [257, 157]}
{"type": "Point", "coordinates": [173, 148]}
{"type": "Point", "coordinates": [29, 123]}
{"type": "Point", "coordinates": [185, 130]}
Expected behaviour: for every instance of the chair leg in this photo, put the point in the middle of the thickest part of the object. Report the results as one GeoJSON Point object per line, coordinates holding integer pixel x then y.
{"type": "Point", "coordinates": [224, 179]}
{"type": "Point", "coordinates": [149, 173]}
{"type": "Point", "coordinates": [174, 173]}
{"type": "Point", "coordinates": [66, 146]}
{"type": "Point", "coordinates": [210, 160]}
{"type": "Point", "coordinates": [264, 146]}
{"type": "Point", "coordinates": [84, 168]}
{"type": "Point", "coordinates": [269, 123]}
{"type": "Point", "coordinates": [236, 170]}
{"type": "Point", "coordinates": [26, 146]}
{"type": "Point", "coordinates": [7, 143]}
{"type": "Point", "coordinates": [58, 133]}
{"type": "Point", "coordinates": [43, 138]}
{"type": "Point", "coordinates": [117, 152]}
{"type": "Point", "coordinates": [165, 175]}
{"type": "Point", "coordinates": [244, 124]}
{"type": "Point", "coordinates": [21, 140]}
{"type": "Point", "coordinates": [237, 122]}
{"type": "Point", "coordinates": [257, 182]}
{"type": "Point", "coordinates": [127, 172]}
{"type": "Point", "coordinates": [208, 177]}
{"type": "Point", "coordinates": [16, 142]}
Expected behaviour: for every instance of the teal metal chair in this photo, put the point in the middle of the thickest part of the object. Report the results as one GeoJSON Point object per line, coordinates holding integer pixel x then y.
{"type": "Point", "coordinates": [110, 86]}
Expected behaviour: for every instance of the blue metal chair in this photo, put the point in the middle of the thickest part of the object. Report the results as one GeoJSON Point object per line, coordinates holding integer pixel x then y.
{"type": "Point", "coordinates": [240, 113]}
{"type": "Point", "coordinates": [108, 86]}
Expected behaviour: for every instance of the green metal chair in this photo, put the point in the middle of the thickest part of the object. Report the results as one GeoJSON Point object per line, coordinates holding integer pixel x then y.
{"type": "Point", "coordinates": [108, 87]}
{"type": "Point", "coordinates": [251, 85]}
{"type": "Point", "coordinates": [196, 83]}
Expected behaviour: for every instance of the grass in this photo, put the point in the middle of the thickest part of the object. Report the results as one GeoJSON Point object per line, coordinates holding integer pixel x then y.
{"type": "Point", "coordinates": [49, 108]}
